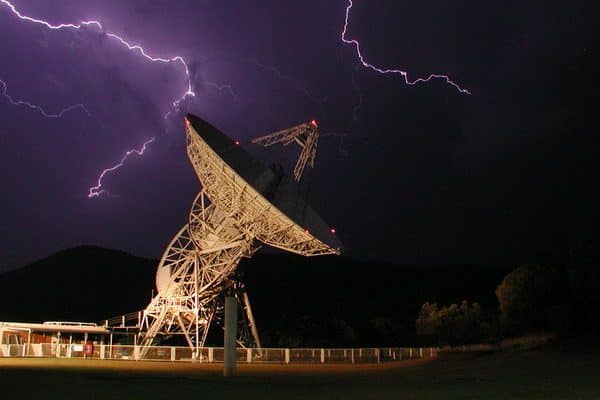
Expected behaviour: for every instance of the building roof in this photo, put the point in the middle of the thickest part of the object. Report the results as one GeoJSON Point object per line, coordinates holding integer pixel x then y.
{"type": "Point", "coordinates": [63, 327]}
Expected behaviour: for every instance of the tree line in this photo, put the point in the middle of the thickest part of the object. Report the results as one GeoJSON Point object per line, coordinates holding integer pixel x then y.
{"type": "Point", "coordinates": [562, 297]}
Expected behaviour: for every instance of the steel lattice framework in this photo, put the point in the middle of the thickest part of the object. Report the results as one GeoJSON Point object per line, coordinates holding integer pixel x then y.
{"type": "Point", "coordinates": [305, 135]}
{"type": "Point", "coordinates": [229, 219]}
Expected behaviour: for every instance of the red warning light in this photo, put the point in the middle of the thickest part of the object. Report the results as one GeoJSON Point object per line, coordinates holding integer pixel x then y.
{"type": "Point", "coordinates": [306, 231]}
{"type": "Point", "coordinates": [187, 122]}
{"type": "Point", "coordinates": [237, 142]}
{"type": "Point", "coordinates": [333, 230]}
{"type": "Point", "coordinates": [314, 123]}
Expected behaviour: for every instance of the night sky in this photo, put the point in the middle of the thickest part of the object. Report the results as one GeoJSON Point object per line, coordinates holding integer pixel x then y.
{"type": "Point", "coordinates": [410, 174]}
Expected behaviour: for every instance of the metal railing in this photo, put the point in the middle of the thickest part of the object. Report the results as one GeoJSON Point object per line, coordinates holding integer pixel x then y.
{"type": "Point", "coordinates": [131, 320]}
{"type": "Point", "coordinates": [69, 323]}
{"type": "Point", "coordinates": [215, 354]}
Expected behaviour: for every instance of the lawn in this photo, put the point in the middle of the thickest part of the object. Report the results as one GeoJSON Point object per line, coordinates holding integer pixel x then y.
{"type": "Point", "coordinates": [518, 375]}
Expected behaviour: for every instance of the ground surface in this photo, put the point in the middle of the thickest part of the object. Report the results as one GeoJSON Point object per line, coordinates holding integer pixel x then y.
{"type": "Point", "coordinates": [528, 375]}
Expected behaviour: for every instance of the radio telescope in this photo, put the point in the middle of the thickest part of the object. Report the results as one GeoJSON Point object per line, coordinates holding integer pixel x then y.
{"type": "Point", "coordinates": [242, 205]}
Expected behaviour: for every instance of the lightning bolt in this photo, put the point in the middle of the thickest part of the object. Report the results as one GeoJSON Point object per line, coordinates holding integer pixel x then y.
{"type": "Point", "coordinates": [298, 86]}
{"type": "Point", "coordinates": [98, 190]}
{"type": "Point", "coordinates": [120, 39]}
{"type": "Point", "coordinates": [37, 108]}
{"type": "Point", "coordinates": [394, 71]}
{"type": "Point", "coordinates": [357, 107]}
{"type": "Point", "coordinates": [341, 145]}
{"type": "Point", "coordinates": [223, 88]}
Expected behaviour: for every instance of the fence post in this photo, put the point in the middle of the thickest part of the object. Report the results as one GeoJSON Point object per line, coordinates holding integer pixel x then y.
{"type": "Point", "coordinates": [172, 353]}
{"type": "Point", "coordinates": [287, 356]}
{"type": "Point", "coordinates": [28, 341]}
{"type": "Point", "coordinates": [410, 352]}
{"type": "Point", "coordinates": [248, 355]}
{"type": "Point", "coordinates": [102, 351]}
{"type": "Point", "coordinates": [420, 352]}
{"type": "Point", "coordinates": [57, 348]}
{"type": "Point", "coordinates": [136, 352]}
{"type": "Point", "coordinates": [352, 355]}
{"type": "Point", "coordinates": [210, 354]}
{"type": "Point", "coordinates": [322, 356]}
{"type": "Point", "coordinates": [378, 356]}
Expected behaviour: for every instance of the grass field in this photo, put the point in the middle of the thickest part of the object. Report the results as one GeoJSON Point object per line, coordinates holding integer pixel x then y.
{"type": "Point", "coordinates": [522, 375]}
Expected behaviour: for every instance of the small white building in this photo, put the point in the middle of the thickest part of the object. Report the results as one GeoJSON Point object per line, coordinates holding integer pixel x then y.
{"type": "Point", "coordinates": [51, 339]}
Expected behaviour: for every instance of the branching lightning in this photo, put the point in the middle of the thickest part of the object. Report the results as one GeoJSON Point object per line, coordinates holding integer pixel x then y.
{"type": "Point", "coordinates": [341, 145]}
{"type": "Point", "coordinates": [98, 190]}
{"type": "Point", "coordinates": [357, 107]}
{"type": "Point", "coordinates": [120, 39]}
{"type": "Point", "coordinates": [284, 77]}
{"type": "Point", "coordinates": [37, 108]}
{"type": "Point", "coordinates": [223, 88]}
{"type": "Point", "coordinates": [385, 70]}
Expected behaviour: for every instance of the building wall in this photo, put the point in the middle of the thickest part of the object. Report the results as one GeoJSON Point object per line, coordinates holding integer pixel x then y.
{"type": "Point", "coordinates": [8, 336]}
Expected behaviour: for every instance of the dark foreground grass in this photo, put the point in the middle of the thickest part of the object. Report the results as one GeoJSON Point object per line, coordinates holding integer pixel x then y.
{"type": "Point", "coordinates": [525, 375]}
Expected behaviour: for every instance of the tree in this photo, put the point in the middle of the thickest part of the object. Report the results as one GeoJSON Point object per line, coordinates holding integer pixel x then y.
{"type": "Point", "coordinates": [387, 331]}
{"type": "Point", "coordinates": [310, 331]}
{"type": "Point", "coordinates": [530, 297]}
{"type": "Point", "coordinates": [453, 324]}
{"type": "Point", "coordinates": [428, 323]}
{"type": "Point", "coordinates": [584, 280]}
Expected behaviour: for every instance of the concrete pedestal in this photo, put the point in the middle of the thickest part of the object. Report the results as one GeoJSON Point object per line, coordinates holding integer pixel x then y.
{"type": "Point", "coordinates": [229, 342]}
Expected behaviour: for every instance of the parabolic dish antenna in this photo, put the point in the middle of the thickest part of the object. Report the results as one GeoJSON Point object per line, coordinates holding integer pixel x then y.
{"type": "Point", "coordinates": [242, 205]}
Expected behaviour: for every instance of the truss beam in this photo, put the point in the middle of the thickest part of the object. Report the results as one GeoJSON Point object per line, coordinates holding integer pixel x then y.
{"type": "Point", "coordinates": [304, 135]}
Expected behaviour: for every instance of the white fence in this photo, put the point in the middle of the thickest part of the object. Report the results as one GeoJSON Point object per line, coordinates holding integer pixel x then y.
{"type": "Point", "coordinates": [215, 354]}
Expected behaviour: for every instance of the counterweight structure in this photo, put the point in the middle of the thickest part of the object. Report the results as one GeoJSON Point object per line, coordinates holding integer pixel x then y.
{"type": "Point", "coordinates": [241, 206]}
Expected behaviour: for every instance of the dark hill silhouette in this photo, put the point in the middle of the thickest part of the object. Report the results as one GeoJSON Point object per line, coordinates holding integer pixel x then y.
{"type": "Point", "coordinates": [296, 300]}
{"type": "Point", "coordinates": [85, 283]}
